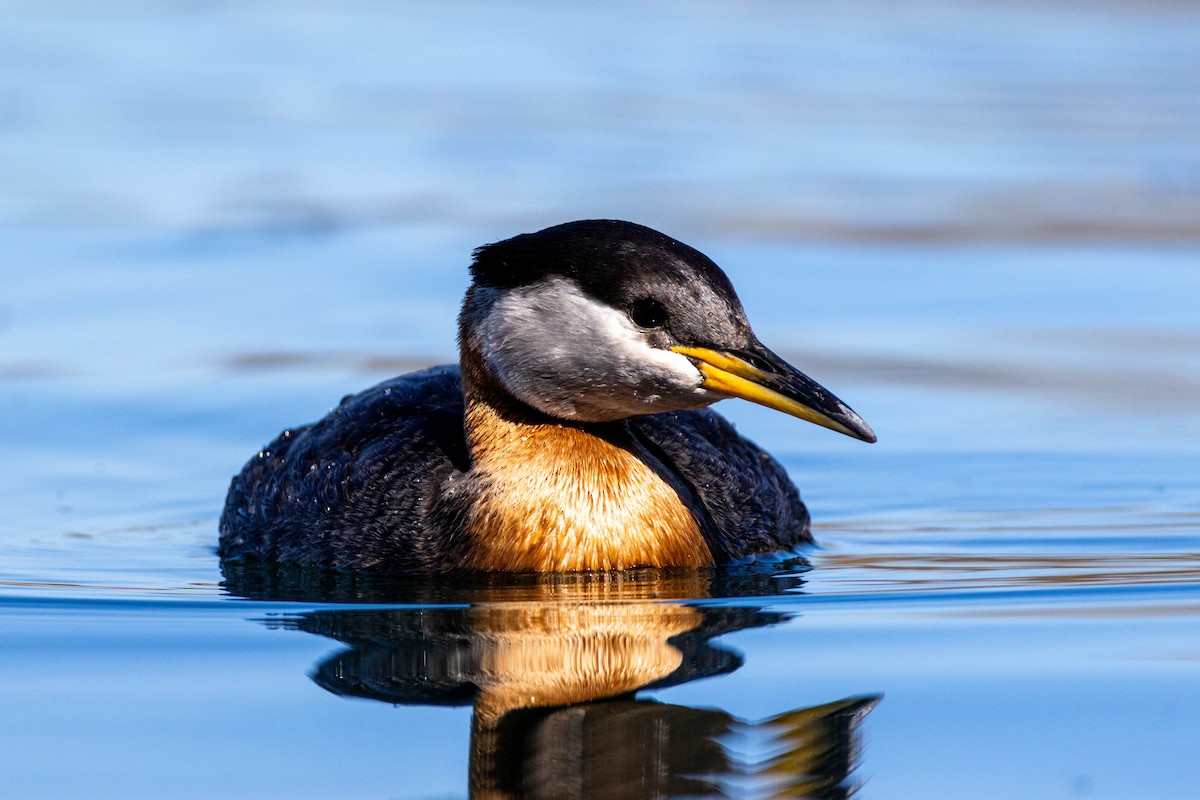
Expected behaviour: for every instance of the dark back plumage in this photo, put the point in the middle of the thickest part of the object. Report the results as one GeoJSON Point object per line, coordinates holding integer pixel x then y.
{"type": "Point", "coordinates": [360, 488]}
{"type": "Point", "coordinates": [356, 489]}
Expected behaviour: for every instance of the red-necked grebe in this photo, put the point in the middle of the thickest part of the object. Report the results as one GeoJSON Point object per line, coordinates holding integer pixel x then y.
{"type": "Point", "coordinates": [573, 435]}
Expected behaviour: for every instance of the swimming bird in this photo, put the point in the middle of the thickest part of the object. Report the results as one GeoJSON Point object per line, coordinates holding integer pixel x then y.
{"type": "Point", "coordinates": [573, 435]}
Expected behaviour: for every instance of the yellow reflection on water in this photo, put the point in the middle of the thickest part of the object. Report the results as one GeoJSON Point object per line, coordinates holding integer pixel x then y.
{"type": "Point", "coordinates": [551, 666]}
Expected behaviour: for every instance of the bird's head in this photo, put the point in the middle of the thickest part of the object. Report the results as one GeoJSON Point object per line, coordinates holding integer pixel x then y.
{"type": "Point", "coordinates": [600, 320]}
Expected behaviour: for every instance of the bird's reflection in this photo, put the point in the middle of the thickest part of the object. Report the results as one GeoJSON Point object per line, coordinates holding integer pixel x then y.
{"type": "Point", "coordinates": [551, 665]}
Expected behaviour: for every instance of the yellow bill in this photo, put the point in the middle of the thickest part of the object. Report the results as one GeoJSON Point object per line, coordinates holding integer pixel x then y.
{"type": "Point", "coordinates": [772, 382]}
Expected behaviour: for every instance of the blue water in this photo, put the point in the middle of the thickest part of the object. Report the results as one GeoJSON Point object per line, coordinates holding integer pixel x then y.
{"type": "Point", "coordinates": [978, 225]}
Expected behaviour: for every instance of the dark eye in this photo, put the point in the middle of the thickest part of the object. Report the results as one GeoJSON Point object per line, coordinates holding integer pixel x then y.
{"type": "Point", "coordinates": [648, 313]}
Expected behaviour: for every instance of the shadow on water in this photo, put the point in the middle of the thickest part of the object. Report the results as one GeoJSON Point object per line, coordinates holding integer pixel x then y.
{"type": "Point", "coordinates": [551, 666]}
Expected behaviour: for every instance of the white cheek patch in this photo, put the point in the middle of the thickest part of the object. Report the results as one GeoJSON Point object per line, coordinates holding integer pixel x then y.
{"type": "Point", "coordinates": [625, 343]}
{"type": "Point", "coordinates": [574, 357]}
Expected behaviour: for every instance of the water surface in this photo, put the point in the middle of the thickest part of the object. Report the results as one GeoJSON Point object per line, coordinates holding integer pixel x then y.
{"type": "Point", "coordinates": [975, 224]}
